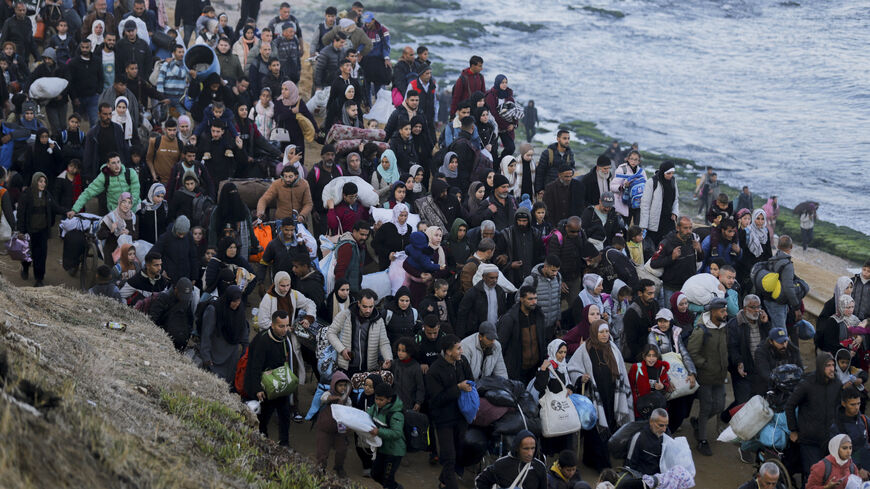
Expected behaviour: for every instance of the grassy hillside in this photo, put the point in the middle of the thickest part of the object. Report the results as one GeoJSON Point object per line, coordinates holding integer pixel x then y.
{"type": "Point", "coordinates": [85, 406]}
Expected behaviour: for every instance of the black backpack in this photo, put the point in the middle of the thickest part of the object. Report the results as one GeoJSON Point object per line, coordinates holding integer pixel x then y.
{"type": "Point", "coordinates": [69, 149]}
{"type": "Point", "coordinates": [200, 311]}
{"type": "Point", "coordinates": [203, 208]}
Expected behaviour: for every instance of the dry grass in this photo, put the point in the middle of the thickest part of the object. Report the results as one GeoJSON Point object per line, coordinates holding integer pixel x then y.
{"type": "Point", "coordinates": [120, 409]}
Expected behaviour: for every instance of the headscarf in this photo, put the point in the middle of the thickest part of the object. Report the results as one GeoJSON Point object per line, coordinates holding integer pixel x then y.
{"type": "Point", "coordinates": [472, 202]}
{"type": "Point", "coordinates": [843, 302]}
{"type": "Point", "coordinates": [156, 188]}
{"type": "Point", "coordinates": [501, 93]}
{"type": "Point", "coordinates": [392, 174]}
{"type": "Point", "coordinates": [755, 235]}
{"type": "Point", "coordinates": [398, 209]}
{"type": "Point", "coordinates": [584, 325]}
{"type": "Point", "coordinates": [445, 166]}
{"type": "Point", "coordinates": [663, 168]}
{"type": "Point", "coordinates": [293, 97]}
{"type": "Point", "coordinates": [350, 171]}
{"type": "Point", "coordinates": [843, 376]}
{"type": "Point", "coordinates": [842, 284]}
{"type": "Point", "coordinates": [279, 277]}
{"type": "Point", "coordinates": [120, 217]}
{"type": "Point", "coordinates": [439, 251]}
{"type": "Point", "coordinates": [230, 206]}
{"type": "Point", "coordinates": [34, 187]}
{"type": "Point", "coordinates": [603, 349]}
{"type": "Point", "coordinates": [124, 121]}
{"type": "Point", "coordinates": [95, 39]}
{"type": "Point", "coordinates": [552, 348]}
{"type": "Point", "coordinates": [681, 318]}
{"type": "Point", "coordinates": [223, 245]}
{"type": "Point", "coordinates": [590, 281]}
{"type": "Point", "coordinates": [230, 322]}
{"type": "Point", "coordinates": [454, 230]}
{"type": "Point", "coordinates": [834, 448]}
{"type": "Point", "coordinates": [418, 187]}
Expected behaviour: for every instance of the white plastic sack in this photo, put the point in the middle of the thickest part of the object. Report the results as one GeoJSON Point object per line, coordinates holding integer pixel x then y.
{"type": "Point", "coordinates": [305, 235]}
{"type": "Point", "coordinates": [700, 289]}
{"type": "Point", "coordinates": [141, 29]}
{"type": "Point", "coordinates": [679, 376]}
{"type": "Point", "coordinates": [382, 108]}
{"type": "Point", "coordinates": [367, 195]}
{"type": "Point", "coordinates": [727, 436]}
{"type": "Point", "coordinates": [397, 272]}
{"type": "Point", "coordinates": [676, 452]}
{"type": "Point", "coordinates": [358, 421]}
{"type": "Point", "coordinates": [379, 214]}
{"type": "Point", "coordinates": [327, 263]}
{"type": "Point", "coordinates": [77, 223]}
{"type": "Point", "coordinates": [378, 282]}
{"type": "Point", "coordinates": [317, 103]}
{"type": "Point", "coordinates": [47, 88]}
{"type": "Point", "coordinates": [751, 418]}
{"type": "Point", "coordinates": [142, 249]}
{"type": "Point", "coordinates": [5, 230]}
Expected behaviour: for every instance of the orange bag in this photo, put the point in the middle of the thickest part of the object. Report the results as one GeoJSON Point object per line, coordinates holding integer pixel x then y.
{"type": "Point", "coordinates": [263, 233]}
{"type": "Point", "coordinates": [39, 35]}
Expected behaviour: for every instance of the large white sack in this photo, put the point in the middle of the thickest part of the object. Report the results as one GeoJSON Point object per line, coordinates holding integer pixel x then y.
{"type": "Point", "coordinates": [365, 192]}
{"type": "Point", "coordinates": [379, 214]}
{"type": "Point", "coordinates": [378, 282]}
{"type": "Point", "coordinates": [47, 88]}
{"type": "Point", "coordinates": [317, 103]}
{"type": "Point", "coordinates": [141, 29]}
{"type": "Point", "coordinates": [702, 288]}
{"type": "Point", "coordinates": [358, 421]}
{"type": "Point", "coordinates": [382, 108]}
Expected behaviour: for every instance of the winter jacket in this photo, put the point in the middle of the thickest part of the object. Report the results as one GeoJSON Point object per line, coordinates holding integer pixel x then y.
{"type": "Point", "coordinates": [86, 77]}
{"type": "Point", "coordinates": [380, 37]}
{"type": "Point", "coordinates": [408, 382]}
{"type": "Point", "coordinates": [358, 39]}
{"type": "Point", "coordinates": [505, 470]}
{"type": "Point", "coordinates": [152, 223]}
{"type": "Point", "coordinates": [20, 31]}
{"type": "Point", "coordinates": [619, 180]}
{"type": "Point", "coordinates": [549, 163]}
{"type": "Point", "coordinates": [287, 199]}
{"type": "Point", "coordinates": [173, 316]}
{"type": "Point", "coordinates": [264, 354]}
{"type": "Point", "coordinates": [391, 427]}
{"type": "Point", "coordinates": [27, 212]}
{"type": "Point", "coordinates": [483, 365]}
{"type": "Point", "coordinates": [838, 473]}
{"type": "Point", "coordinates": [562, 201]}
{"type": "Point", "coordinates": [861, 294]}
{"type": "Point", "coordinates": [442, 391]}
{"type": "Point", "coordinates": [818, 398]}
{"type": "Point", "coordinates": [651, 204]}
{"type": "Point", "coordinates": [724, 251]}
{"type": "Point", "coordinates": [117, 185]}
{"type": "Point", "coordinates": [647, 452]}
{"type": "Point", "coordinates": [179, 256]}
{"type": "Point", "coordinates": [137, 50]}
{"type": "Point", "coordinates": [636, 324]}
{"type": "Point", "coordinates": [473, 309]}
{"type": "Point", "coordinates": [781, 263]}
{"type": "Point", "coordinates": [570, 250]}
{"type": "Point", "coordinates": [639, 378]}
{"type": "Point", "coordinates": [738, 343]}
{"type": "Point", "coordinates": [676, 272]}
{"type": "Point", "coordinates": [288, 52]}
{"type": "Point", "coordinates": [492, 100]}
{"type": "Point", "coordinates": [601, 231]}
{"type": "Point", "coordinates": [230, 66]}
{"type": "Point", "coordinates": [549, 292]}
{"type": "Point", "coordinates": [503, 215]}
{"type": "Point", "coordinates": [767, 358]}
{"type": "Point", "coordinates": [590, 189]}
{"type": "Point", "coordinates": [510, 336]}
{"type": "Point", "coordinates": [326, 68]}
{"type": "Point", "coordinates": [708, 346]}
{"type": "Point", "coordinates": [857, 429]}
{"type": "Point", "coordinates": [341, 331]}
{"type": "Point", "coordinates": [465, 86]}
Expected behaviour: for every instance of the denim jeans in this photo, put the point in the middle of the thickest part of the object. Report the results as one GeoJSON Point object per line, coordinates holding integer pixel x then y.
{"type": "Point", "coordinates": [777, 312]}
{"type": "Point", "coordinates": [88, 108]}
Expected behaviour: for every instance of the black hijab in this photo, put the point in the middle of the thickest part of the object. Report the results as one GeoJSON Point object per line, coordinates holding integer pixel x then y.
{"type": "Point", "coordinates": [230, 321]}
{"type": "Point", "coordinates": [230, 207]}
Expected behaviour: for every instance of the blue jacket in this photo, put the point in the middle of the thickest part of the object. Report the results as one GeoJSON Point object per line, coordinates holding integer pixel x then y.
{"type": "Point", "coordinates": [380, 37]}
{"type": "Point", "coordinates": [724, 248]}
{"type": "Point", "coordinates": [208, 117]}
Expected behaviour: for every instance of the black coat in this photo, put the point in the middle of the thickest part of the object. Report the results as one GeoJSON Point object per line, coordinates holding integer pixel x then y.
{"type": "Point", "coordinates": [636, 326]}
{"type": "Point", "coordinates": [818, 399]}
{"type": "Point", "coordinates": [766, 359]}
{"type": "Point", "coordinates": [676, 272]}
{"type": "Point", "coordinates": [473, 309]}
{"type": "Point", "coordinates": [179, 256]}
{"type": "Point", "coordinates": [512, 343]}
{"type": "Point", "coordinates": [172, 316]}
{"type": "Point", "coordinates": [547, 170]}
{"type": "Point", "coordinates": [504, 471]}
{"type": "Point", "coordinates": [442, 391]}
{"type": "Point", "coordinates": [26, 211]}
{"type": "Point", "coordinates": [264, 354]}
{"type": "Point", "coordinates": [138, 51]}
{"type": "Point", "coordinates": [388, 240]}
{"type": "Point", "coordinates": [829, 335]}
{"type": "Point", "coordinates": [406, 154]}
{"type": "Point", "coordinates": [153, 223]}
{"type": "Point", "coordinates": [647, 453]}
{"type": "Point", "coordinates": [738, 344]}
{"type": "Point", "coordinates": [602, 231]}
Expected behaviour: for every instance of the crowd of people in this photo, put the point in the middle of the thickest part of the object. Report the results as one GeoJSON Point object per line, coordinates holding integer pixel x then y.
{"type": "Point", "coordinates": [503, 261]}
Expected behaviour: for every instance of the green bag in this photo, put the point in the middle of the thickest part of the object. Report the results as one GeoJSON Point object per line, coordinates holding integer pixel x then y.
{"type": "Point", "coordinates": [280, 382]}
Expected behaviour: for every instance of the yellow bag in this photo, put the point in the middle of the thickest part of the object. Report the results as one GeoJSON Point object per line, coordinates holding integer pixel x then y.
{"type": "Point", "coordinates": [306, 126]}
{"type": "Point", "coordinates": [771, 284]}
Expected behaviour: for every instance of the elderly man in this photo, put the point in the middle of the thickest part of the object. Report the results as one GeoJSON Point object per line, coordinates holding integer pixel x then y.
{"type": "Point", "coordinates": [485, 250]}
{"type": "Point", "coordinates": [597, 181]}
{"type": "Point", "coordinates": [485, 301]}
{"type": "Point", "coordinates": [777, 350]}
{"type": "Point", "coordinates": [767, 478]}
{"type": "Point", "coordinates": [498, 207]}
{"type": "Point", "coordinates": [483, 352]}
{"type": "Point", "coordinates": [746, 333]}
{"type": "Point", "coordinates": [678, 255]}
{"type": "Point", "coordinates": [601, 222]}
{"type": "Point", "coordinates": [647, 445]}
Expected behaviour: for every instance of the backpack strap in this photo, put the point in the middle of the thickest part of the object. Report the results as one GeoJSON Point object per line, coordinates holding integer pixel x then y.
{"type": "Point", "coordinates": [631, 446]}
{"type": "Point", "coordinates": [828, 469]}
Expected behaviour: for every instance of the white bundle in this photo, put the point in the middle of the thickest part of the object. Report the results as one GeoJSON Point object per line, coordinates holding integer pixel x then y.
{"type": "Point", "coordinates": [47, 88]}
{"type": "Point", "coordinates": [700, 289]}
{"type": "Point", "coordinates": [382, 108]}
{"type": "Point", "coordinates": [379, 214]}
{"type": "Point", "coordinates": [367, 195]}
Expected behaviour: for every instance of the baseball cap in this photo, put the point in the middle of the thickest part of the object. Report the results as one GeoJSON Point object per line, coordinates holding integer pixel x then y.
{"type": "Point", "coordinates": [607, 199]}
{"type": "Point", "coordinates": [778, 335]}
{"type": "Point", "coordinates": [488, 329]}
{"type": "Point", "coordinates": [665, 314]}
{"type": "Point", "coordinates": [368, 17]}
{"type": "Point", "coordinates": [717, 303]}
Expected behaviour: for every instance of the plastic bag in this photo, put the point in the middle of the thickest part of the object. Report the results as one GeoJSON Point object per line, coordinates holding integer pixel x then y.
{"type": "Point", "coordinates": [382, 107]}
{"type": "Point", "coordinates": [317, 103]}
{"type": "Point", "coordinates": [676, 452]}
{"type": "Point", "coordinates": [473, 447]}
{"type": "Point", "coordinates": [702, 288]}
{"type": "Point", "coordinates": [727, 436]}
{"type": "Point", "coordinates": [500, 397]}
{"type": "Point", "coordinates": [679, 376]}
{"type": "Point", "coordinates": [378, 282]}
{"type": "Point", "coordinates": [469, 403]}
{"type": "Point", "coordinates": [586, 410]}
{"type": "Point", "coordinates": [366, 194]}
{"type": "Point", "coordinates": [18, 248]}
{"type": "Point", "coordinates": [775, 433]}
{"type": "Point", "coordinates": [358, 421]}
{"type": "Point", "coordinates": [47, 88]}
{"type": "Point", "coordinates": [493, 382]}
{"type": "Point", "coordinates": [397, 272]}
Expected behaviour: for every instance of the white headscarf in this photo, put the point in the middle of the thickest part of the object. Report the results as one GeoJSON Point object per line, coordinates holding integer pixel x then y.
{"type": "Point", "coordinates": [502, 280]}
{"type": "Point", "coordinates": [124, 121]}
{"type": "Point", "coordinates": [280, 276]}
{"type": "Point", "coordinates": [552, 348]}
{"type": "Point", "coordinates": [95, 39]}
{"type": "Point", "coordinates": [755, 235]}
{"type": "Point", "coordinates": [398, 209]}
{"type": "Point", "coordinates": [834, 448]}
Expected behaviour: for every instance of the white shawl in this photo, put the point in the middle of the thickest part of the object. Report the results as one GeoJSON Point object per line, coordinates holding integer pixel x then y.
{"type": "Point", "coordinates": [623, 410]}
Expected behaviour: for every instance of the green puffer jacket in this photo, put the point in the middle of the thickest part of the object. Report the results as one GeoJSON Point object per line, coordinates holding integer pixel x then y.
{"type": "Point", "coordinates": [708, 347]}
{"type": "Point", "coordinates": [117, 186]}
{"type": "Point", "coordinates": [391, 427]}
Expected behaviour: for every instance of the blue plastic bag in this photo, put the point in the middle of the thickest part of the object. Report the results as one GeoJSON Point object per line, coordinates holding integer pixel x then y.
{"type": "Point", "coordinates": [586, 410]}
{"type": "Point", "coordinates": [775, 433]}
{"type": "Point", "coordinates": [315, 401]}
{"type": "Point", "coordinates": [469, 402]}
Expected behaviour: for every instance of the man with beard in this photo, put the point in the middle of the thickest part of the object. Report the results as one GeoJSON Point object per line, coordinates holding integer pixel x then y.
{"type": "Point", "coordinates": [438, 208]}
{"type": "Point", "coordinates": [523, 249]}
{"type": "Point", "coordinates": [103, 139]}
{"type": "Point", "coordinates": [521, 330]}
{"type": "Point", "coordinates": [547, 282]}
{"type": "Point", "coordinates": [640, 317]}
{"type": "Point", "coordinates": [776, 351]}
{"type": "Point", "coordinates": [19, 30]}
{"type": "Point", "coordinates": [222, 158]}
{"type": "Point", "coordinates": [601, 222]}
{"type": "Point", "coordinates": [164, 151]}
{"type": "Point", "coordinates": [563, 195]}
{"type": "Point", "coordinates": [574, 252]}
{"type": "Point", "coordinates": [320, 175]}
{"type": "Point", "coordinates": [172, 79]}
{"type": "Point", "coordinates": [403, 113]}
{"type": "Point", "coordinates": [350, 256]}
{"type": "Point", "coordinates": [100, 12]}
{"type": "Point", "coordinates": [359, 336]}
{"type": "Point", "coordinates": [498, 207]}
{"type": "Point", "coordinates": [483, 353]}
{"type": "Point", "coordinates": [596, 182]}
{"type": "Point", "coordinates": [268, 351]}
{"type": "Point", "coordinates": [106, 54]}
{"type": "Point", "coordinates": [746, 334]}
{"type": "Point", "coordinates": [553, 160]}
{"type": "Point", "coordinates": [283, 247]}
{"type": "Point", "coordinates": [258, 68]}
{"type": "Point", "coordinates": [485, 301]}
{"type": "Point", "coordinates": [428, 106]}
{"type": "Point", "coordinates": [132, 48]}
{"type": "Point", "coordinates": [678, 255]}
{"type": "Point", "coordinates": [86, 82]}
{"type": "Point", "coordinates": [119, 89]}
{"type": "Point", "coordinates": [141, 89]}
{"type": "Point", "coordinates": [189, 163]}
{"type": "Point", "coordinates": [288, 48]}
{"type": "Point", "coordinates": [290, 194]}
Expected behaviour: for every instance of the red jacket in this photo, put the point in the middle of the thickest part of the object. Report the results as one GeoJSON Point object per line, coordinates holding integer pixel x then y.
{"type": "Point", "coordinates": [638, 377]}
{"type": "Point", "coordinates": [492, 104]}
{"type": "Point", "coordinates": [344, 215]}
{"type": "Point", "coordinates": [465, 85]}
{"type": "Point", "coordinates": [817, 473]}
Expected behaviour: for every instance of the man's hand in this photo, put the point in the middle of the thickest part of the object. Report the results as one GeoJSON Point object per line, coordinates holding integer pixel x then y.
{"type": "Point", "coordinates": [388, 63]}
{"type": "Point", "coordinates": [516, 264]}
{"type": "Point", "coordinates": [346, 354]}
{"type": "Point", "coordinates": [793, 436]}
{"type": "Point", "coordinates": [492, 208]}
{"type": "Point", "coordinates": [424, 368]}
{"type": "Point", "coordinates": [192, 73]}
{"type": "Point", "coordinates": [762, 316]}
{"type": "Point", "coordinates": [510, 127]}
{"type": "Point", "coordinates": [697, 246]}
{"type": "Point", "coordinates": [464, 386]}
{"type": "Point", "coordinates": [741, 370]}
{"type": "Point", "coordinates": [417, 407]}
{"type": "Point", "coordinates": [387, 364]}
{"type": "Point", "coordinates": [300, 218]}
{"type": "Point", "coordinates": [676, 253]}
{"type": "Point", "coordinates": [5, 138]}
{"type": "Point", "coordinates": [501, 260]}
{"type": "Point", "coordinates": [374, 431]}
{"type": "Point", "coordinates": [691, 380]}
{"type": "Point", "coordinates": [564, 288]}
{"type": "Point", "coordinates": [735, 247]}
{"type": "Point", "coordinates": [165, 101]}
{"type": "Point", "coordinates": [70, 214]}
{"type": "Point", "coordinates": [330, 204]}
{"type": "Point", "coordinates": [261, 396]}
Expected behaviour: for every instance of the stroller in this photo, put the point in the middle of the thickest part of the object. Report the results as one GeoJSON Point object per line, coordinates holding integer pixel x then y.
{"type": "Point", "coordinates": [783, 381]}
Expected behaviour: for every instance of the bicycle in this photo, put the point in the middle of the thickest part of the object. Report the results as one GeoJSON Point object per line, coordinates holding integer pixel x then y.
{"type": "Point", "coordinates": [91, 256]}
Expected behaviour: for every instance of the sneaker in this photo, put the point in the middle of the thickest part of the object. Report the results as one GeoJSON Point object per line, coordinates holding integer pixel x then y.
{"type": "Point", "coordinates": [704, 448]}
{"type": "Point", "coordinates": [340, 472]}
{"type": "Point", "coordinates": [367, 473]}
{"type": "Point", "coordinates": [695, 429]}
{"type": "Point", "coordinates": [745, 455]}
{"type": "Point", "coordinates": [39, 284]}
